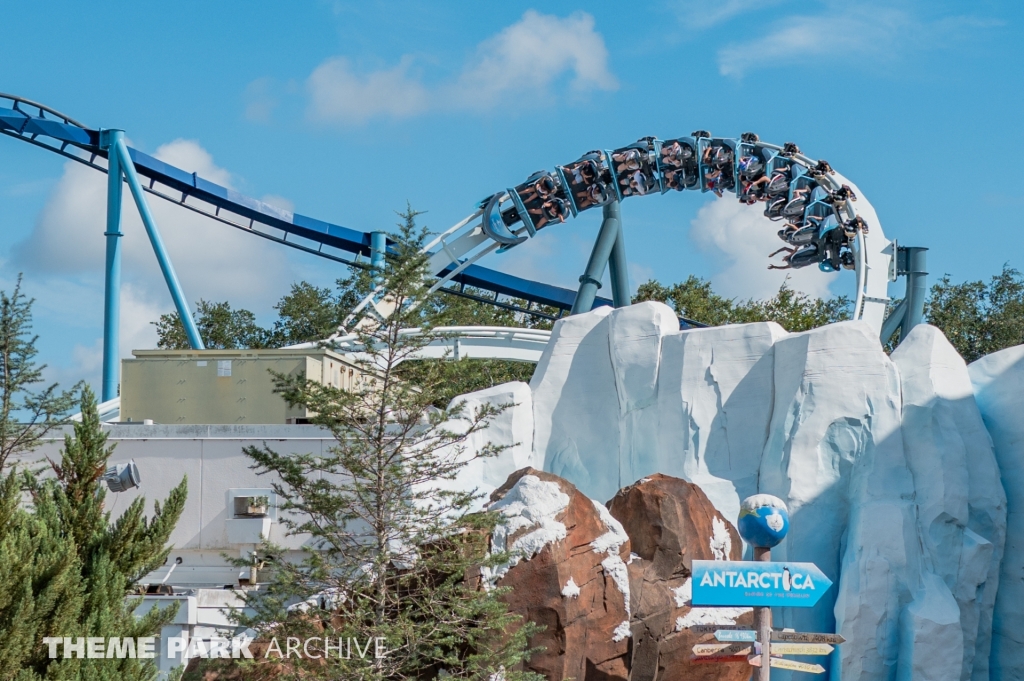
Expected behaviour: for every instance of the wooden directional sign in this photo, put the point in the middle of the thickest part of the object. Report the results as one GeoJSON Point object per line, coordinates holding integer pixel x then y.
{"type": "Point", "coordinates": [738, 583]}
{"type": "Point", "coordinates": [783, 663]}
{"type": "Point", "coordinates": [800, 637]}
{"type": "Point", "coordinates": [716, 659]}
{"type": "Point", "coordinates": [781, 648]}
{"type": "Point", "coordinates": [736, 635]}
{"type": "Point", "coordinates": [705, 649]}
{"type": "Point", "coordinates": [700, 629]}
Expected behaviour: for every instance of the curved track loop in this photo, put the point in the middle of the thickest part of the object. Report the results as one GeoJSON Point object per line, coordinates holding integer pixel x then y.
{"type": "Point", "coordinates": [509, 217]}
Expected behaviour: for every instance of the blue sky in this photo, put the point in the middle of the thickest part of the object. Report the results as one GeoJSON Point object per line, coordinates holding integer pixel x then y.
{"type": "Point", "coordinates": [345, 111]}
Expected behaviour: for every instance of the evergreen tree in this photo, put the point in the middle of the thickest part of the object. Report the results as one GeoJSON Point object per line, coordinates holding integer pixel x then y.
{"type": "Point", "coordinates": [395, 546]}
{"type": "Point", "coordinates": [220, 326]}
{"type": "Point", "coordinates": [68, 570]}
{"type": "Point", "coordinates": [26, 415]}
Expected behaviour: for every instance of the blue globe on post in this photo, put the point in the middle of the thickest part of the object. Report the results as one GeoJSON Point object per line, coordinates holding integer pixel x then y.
{"type": "Point", "coordinates": [763, 521]}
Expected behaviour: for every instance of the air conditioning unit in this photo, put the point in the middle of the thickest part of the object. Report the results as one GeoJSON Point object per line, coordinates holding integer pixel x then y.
{"type": "Point", "coordinates": [251, 513]}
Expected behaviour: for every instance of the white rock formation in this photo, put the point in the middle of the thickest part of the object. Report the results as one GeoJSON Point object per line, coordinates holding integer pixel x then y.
{"type": "Point", "coordinates": [998, 381]}
{"type": "Point", "coordinates": [960, 500]}
{"type": "Point", "coordinates": [885, 465]}
{"type": "Point", "coordinates": [512, 427]}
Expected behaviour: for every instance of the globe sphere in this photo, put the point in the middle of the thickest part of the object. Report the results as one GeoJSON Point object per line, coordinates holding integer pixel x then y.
{"type": "Point", "coordinates": [763, 521]}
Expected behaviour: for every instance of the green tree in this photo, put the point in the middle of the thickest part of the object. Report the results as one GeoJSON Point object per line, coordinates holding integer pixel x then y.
{"type": "Point", "coordinates": [220, 327]}
{"type": "Point", "coordinates": [26, 414]}
{"type": "Point", "coordinates": [68, 569]}
{"type": "Point", "coordinates": [392, 538]}
{"type": "Point", "coordinates": [979, 318]}
{"type": "Point", "coordinates": [794, 311]}
{"type": "Point", "coordinates": [311, 313]}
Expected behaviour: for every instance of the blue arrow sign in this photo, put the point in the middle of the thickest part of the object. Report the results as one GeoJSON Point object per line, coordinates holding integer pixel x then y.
{"type": "Point", "coordinates": [723, 582]}
{"type": "Point", "coordinates": [736, 635]}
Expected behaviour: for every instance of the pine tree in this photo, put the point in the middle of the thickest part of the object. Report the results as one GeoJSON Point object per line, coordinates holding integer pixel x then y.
{"type": "Point", "coordinates": [26, 415]}
{"type": "Point", "coordinates": [396, 547]}
{"type": "Point", "coordinates": [68, 570]}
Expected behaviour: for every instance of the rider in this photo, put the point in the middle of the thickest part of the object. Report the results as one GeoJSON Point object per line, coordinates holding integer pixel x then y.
{"type": "Point", "coordinates": [552, 210]}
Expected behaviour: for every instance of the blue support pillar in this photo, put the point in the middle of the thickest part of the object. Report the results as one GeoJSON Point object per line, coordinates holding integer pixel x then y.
{"type": "Point", "coordinates": [378, 247]}
{"type": "Point", "coordinates": [618, 270]}
{"type": "Point", "coordinates": [917, 286]}
{"type": "Point", "coordinates": [591, 279]}
{"type": "Point", "coordinates": [184, 313]}
{"type": "Point", "coordinates": [112, 270]}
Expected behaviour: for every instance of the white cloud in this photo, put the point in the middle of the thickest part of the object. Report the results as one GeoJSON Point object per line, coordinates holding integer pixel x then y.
{"type": "Point", "coordinates": [530, 61]}
{"type": "Point", "coordinates": [700, 14]}
{"type": "Point", "coordinates": [529, 58]}
{"type": "Point", "coordinates": [211, 260]}
{"type": "Point", "coordinates": [260, 101]}
{"type": "Point", "coordinates": [874, 32]}
{"type": "Point", "coordinates": [64, 259]}
{"type": "Point", "coordinates": [339, 95]}
{"type": "Point", "coordinates": [740, 238]}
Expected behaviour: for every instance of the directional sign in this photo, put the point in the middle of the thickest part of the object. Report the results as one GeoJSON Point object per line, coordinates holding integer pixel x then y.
{"type": "Point", "coordinates": [704, 649]}
{"type": "Point", "coordinates": [783, 663]}
{"type": "Point", "coordinates": [713, 660]}
{"type": "Point", "coordinates": [736, 635]}
{"type": "Point", "coordinates": [801, 637]}
{"type": "Point", "coordinates": [801, 648]}
{"type": "Point", "coordinates": [737, 583]}
{"type": "Point", "coordinates": [712, 628]}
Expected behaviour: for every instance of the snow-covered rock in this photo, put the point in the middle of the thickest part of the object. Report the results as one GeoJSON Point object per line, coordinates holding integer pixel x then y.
{"type": "Point", "coordinates": [886, 465]}
{"type": "Point", "coordinates": [568, 573]}
{"type": "Point", "coordinates": [998, 381]}
{"type": "Point", "coordinates": [960, 500]}
{"type": "Point", "coordinates": [512, 427]}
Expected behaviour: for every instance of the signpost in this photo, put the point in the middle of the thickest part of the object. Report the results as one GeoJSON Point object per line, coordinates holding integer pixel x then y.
{"type": "Point", "coordinates": [761, 584]}
{"type": "Point", "coordinates": [801, 648]}
{"type": "Point", "coordinates": [705, 649]}
{"type": "Point", "coordinates": [783, 663]}
{"type": "Point", "coordinates": [800, 637]}
{"type": "Point", "coordinates": [713, 660]}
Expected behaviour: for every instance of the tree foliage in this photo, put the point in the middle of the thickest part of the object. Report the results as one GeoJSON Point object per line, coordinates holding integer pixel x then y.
{"type": "Point", "coordinates": [396, 544]}
{"type": "Point", "coordinates": [67, 569]}
{"type": "Point", "coordinates": [794, 311]}
{"type": "Point", "coordinates": [26, 414]}
{"type": "Point", "coordinates": [979, 318]}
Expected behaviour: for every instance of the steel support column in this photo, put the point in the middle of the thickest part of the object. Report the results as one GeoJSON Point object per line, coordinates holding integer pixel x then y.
{"type": "Point", "coordinates": [378, 247]}
{"type": "Point", "coordinates": [911, 262]}
{"type": "Point", "coordinates": [618, 270]}
{"type": "Point", "coordinates": [591, 279]}
{"type": "Point", "coordinates": [112, 270]}
{"type": "Point", "coordinates": [180, 303]}
{"type": "Point", "coordinates": [917, 287]}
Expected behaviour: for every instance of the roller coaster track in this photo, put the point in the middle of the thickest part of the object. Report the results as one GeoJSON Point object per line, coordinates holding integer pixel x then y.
{"type": "Point", "coordinates": [500, 222]}
{"type": "Point", "coordinates": [51, 130]}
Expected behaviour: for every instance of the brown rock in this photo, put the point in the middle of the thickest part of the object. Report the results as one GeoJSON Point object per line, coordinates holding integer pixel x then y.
{"type": "Point", "coordinates": [579, 638]}
{"type": "Point", "coordinates": [670, 523]}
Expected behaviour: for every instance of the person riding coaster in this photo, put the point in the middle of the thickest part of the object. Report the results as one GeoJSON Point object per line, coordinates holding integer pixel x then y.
{"type": "Point", "coordinates": [628, 159]}
{"type": "Point", "coordinates": [543, 189]}
{"type": "Point", "coordinates": [676, 154]}
{"type": "Point", "coordinates": [797, 258]}
{"type": "Point", "coordinates": [851, 227]}
{"type": "Point", "coordinates": [552, 210]}
{"type": "Point", "coordinates": [750, 167]}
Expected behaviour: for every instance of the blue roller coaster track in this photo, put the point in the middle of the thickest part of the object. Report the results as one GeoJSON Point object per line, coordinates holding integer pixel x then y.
{"type": "Point", "coordinates": [823, 226]}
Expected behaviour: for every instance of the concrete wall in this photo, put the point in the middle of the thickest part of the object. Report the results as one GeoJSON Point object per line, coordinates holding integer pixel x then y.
{"type": "Point", "coordinates": [222, 386]}
{"type": "Point", "coordinates": [217, 469]}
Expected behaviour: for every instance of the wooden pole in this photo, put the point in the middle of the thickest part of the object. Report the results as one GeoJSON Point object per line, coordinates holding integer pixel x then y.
{"type": "Point", "coordinates": [763, 623]}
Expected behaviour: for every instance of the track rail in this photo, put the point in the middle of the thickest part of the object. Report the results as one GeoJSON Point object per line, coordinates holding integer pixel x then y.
{"type": "Point", "coordinates": [500, 222]}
